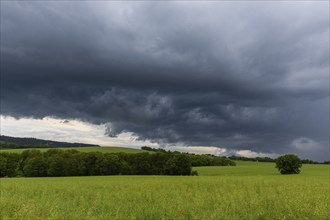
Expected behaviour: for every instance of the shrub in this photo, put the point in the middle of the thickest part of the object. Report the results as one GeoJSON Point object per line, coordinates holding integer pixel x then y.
{"type": "Point", "coordinates": [194, 173]}
{"type": "Point", "coordinates": [288, 164]}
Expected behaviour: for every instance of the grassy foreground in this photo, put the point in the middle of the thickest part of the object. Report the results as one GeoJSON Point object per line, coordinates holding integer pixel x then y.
{"type": "Point", "coordinates": [248, 191]}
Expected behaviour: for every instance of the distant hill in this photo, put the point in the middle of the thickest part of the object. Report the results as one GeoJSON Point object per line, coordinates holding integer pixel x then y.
{"type": "Point", "coordinates": [82, 149]}
{"type": "Point", "coordinates": [18, 142]}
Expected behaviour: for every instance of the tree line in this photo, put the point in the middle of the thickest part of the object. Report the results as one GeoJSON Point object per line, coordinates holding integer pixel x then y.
{"type": "Point", "coordinates": [268, 159]}
{"type": "Point", "coordinates": [197, 159]}
{"type": "Point", "coordinates": [56, 162]}
{"type": "Point", "coordinates": [230, 158]}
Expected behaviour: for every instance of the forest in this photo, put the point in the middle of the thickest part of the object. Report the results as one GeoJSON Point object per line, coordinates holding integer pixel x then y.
{"type": "Point", "coordinates": [55, 162]}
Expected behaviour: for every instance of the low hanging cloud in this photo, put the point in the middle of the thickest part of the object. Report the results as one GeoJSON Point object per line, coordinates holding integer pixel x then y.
{"type": "Point", "coordinates": [242, 76]}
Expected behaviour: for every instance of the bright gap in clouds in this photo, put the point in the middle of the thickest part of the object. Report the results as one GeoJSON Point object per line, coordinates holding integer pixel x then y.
{"type": "Point", "coordinates": [65, 130]}
{"type": "Point", "coordinates": [77, 131]}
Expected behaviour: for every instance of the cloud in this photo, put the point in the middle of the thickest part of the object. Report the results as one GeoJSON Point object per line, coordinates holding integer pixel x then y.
{"type": "Point", "coordinates": [308, 148]}
{"type": "Point", "coordinates": [248, 153]}
{"type": "Point", "coordinates": [75, 131]}
{"type": "Point", "coordinates": [241, 76]}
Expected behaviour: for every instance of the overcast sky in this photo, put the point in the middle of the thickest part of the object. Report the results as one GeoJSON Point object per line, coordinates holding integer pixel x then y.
{"type": "Point", "coordinates": [242, 76]}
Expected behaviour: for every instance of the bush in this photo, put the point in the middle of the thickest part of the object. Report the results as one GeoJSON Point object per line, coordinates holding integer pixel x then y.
{"type": "Point", "coordinates": [288, 164]}
{"type": "Point", "coordinates": [194, 173]}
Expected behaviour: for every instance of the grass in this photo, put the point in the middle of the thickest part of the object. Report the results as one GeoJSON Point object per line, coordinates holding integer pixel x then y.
{"type": "Point", "coordinates": [265, 169]}
{"type": "Point", "coordinates": [83, 149]}
{"type": "Point", "coordinates": [248, 191]}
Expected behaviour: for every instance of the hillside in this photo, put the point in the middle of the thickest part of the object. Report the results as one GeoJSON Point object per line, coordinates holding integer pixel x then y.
{"type": "Point", "coordinates": [19, 142]}
{"type": "Point", "coordinates": [83, 149]}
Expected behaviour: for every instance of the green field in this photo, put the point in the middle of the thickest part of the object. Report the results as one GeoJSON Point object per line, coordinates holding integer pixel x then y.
{"type": "Point", "coordinates": [248, 191]}
{"type": "Point", "coordinates": [82, 149]}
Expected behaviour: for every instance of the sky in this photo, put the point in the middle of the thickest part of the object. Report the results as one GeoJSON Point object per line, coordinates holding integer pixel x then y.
{"type": "Point", "coordinates": [244, 77]}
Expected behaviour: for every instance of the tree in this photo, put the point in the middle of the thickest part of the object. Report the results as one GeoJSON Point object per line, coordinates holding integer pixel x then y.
{"type": "Point", "coordinates": [3, 166]}
{"type": "Point", "coordinates": [10, 164]}
{"type": "Point", "coordinates": [93, 163]}
{"type": "Point", "coordinates": [110, 164]}
{"type": "Point", "coordinates": [141, 163]}
{"type": "Point", "coordinates": [56, 165]}
{"type": "Point", "coordinates": [288, 164]}
{"type": "Point", "coordinates": [36, 166]}
{"type": "Point", "coordinates": [178, 164]}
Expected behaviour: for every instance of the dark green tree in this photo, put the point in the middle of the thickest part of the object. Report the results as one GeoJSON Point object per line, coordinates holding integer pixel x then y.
{"type": "Point", "coordinates": [3, 165]}
{"type": "Point", "coordinates": [288, 164]}
{"type": "Point", "coordinates": [158, 161]}
{"type": "Point", "coordinates": [56, 165]}
{"type": "Point", "coordinates": [141, 163]}
{"type": "Point", "coordinates": [178, 164]}
{"type": "Point", "coordinates": [93, 162]}
{"type": "Point", "coordinates": [110, 164]}
{"type": "Point", "coordinates": [36, 166]}
{"type": "Point", "coordinates": [10, 164]}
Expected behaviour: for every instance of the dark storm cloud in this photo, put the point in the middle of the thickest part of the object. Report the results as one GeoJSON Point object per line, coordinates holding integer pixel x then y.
{"type": "Point", "coordinates": [236, 75]}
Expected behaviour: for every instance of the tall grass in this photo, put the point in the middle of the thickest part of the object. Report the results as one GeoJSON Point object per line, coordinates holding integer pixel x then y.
{"type": "Point", "coordinates": [226, 196]}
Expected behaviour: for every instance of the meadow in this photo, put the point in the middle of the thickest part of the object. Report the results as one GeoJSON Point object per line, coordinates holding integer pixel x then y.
{"type": "Point", "coordinates": [249, 190]}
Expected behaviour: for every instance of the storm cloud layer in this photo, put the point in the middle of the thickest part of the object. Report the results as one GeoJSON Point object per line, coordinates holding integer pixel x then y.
{"type": "Point", "coordinates": [250, 76]}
